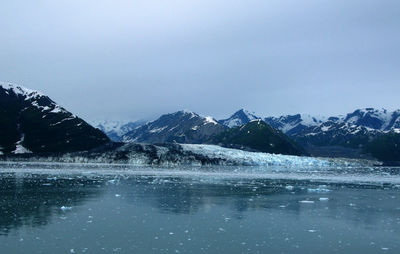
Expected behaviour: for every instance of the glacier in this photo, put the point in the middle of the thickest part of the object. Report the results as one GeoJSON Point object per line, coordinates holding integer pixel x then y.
{"type": "Point", "coordinates": [240, 157]}
{"type": "Point", "coordinates": [172, 155]}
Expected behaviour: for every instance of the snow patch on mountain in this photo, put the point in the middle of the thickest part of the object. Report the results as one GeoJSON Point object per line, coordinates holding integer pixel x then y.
{"type": "Point", "coordinates": [210, 119]}
{"type": "Point", "coordinates": [155, 130]}
{"type": "Point", "coordinates": [21, 90]}
{"type": "Point", "coordinates": [20, 149]}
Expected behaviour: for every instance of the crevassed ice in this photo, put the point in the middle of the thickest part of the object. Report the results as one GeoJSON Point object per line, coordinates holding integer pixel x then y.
{"type": "Point", "coordinates": [253, 158]}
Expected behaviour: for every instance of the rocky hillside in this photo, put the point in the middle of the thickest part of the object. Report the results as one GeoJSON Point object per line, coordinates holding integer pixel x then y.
{"type": "Point", "coordinates": [32, 122]}
{"type": "Point", "coordinates": [386, 147]}
{"type": "Point", "coordinates": [258, 136]}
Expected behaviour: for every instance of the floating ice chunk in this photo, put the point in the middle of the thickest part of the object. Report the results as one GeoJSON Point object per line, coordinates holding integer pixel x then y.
{"type": "Point", "coordinates": [318, 190]}
{"type": "Point", "coordinates": [65, 208]}
{"type": "Point", "coordinates": [312, 230]}
{"type": "Point", "coordinates": [289, 187]}
{"type": "Point", "coordinates": [113, 181]}
{"type": "Point", "coordinates": [306, 201]}
{"type": "Point", "coordinates": [323, 199]}
{"type": "Point", "coordinates": [117, 195]}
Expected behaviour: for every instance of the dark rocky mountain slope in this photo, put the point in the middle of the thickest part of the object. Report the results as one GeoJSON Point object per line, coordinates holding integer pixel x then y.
{"type": "Point", "coordinates": [258, 136]}
{"type": "Point", "coordinates": [32, 122]}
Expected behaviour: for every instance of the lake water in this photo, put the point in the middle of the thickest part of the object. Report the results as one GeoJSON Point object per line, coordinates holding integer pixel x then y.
{"type": "Point", "coordinates": [67, 208]}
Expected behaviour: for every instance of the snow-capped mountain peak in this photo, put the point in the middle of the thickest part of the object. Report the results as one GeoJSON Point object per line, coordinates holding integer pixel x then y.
{"type": "Point", "coordinates": [210, 119]}
{"type": "Point", "coordinates": [115, 129]}
{"type": "Point", "coordinates": [108, 125]}
{"type": "Point", "coordinates": [35, 98]}
{"type": "Point", "coordinates": [21, 90]}
{"type": "Point", "coordinates": [293, 124]}
{"type": "Point", "coordinates": [32, 122]}
{"type": "Point", "coordinates": [312, 120]}
{"type": "Point", "coordinates": [239, 118]}
{"type": "Point", "coordinates": [379, 119]}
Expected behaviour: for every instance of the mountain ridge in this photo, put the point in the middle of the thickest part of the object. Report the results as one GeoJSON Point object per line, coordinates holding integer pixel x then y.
{"type": "Point", "coordinates": [178, 127]}
{"type": "Point", "coordinates": [31, 122]}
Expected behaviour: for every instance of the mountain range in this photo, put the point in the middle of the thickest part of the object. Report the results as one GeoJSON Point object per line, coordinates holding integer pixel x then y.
{"type": "Point", "coordinates": [179, 127]}
{"type": "Point", "coordinates": [30, 122]}
{"type": "Point", "coordinates": [303, 127]}
{"type": "Point", "coordinates": [343, 135]}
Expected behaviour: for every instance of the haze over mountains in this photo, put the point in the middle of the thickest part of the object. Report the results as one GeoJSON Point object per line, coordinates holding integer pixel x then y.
{"type": "Point", "coordinates": [116, 129]}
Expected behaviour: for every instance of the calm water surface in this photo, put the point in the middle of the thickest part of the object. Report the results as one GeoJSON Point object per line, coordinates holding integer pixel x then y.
{"type": "Point", "coordinates": [49, 208]}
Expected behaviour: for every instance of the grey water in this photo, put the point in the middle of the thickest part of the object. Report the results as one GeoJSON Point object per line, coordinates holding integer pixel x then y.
{"type": "Point", "coordinates": [71, 208]}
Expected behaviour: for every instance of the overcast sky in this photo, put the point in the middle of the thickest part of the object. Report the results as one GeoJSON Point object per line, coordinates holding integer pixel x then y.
{"type": "Point", "coordinates": [131, 59]}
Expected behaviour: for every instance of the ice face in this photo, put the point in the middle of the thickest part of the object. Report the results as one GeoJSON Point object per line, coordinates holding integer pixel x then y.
{"type": "Point", "coordinates": [240, 157]}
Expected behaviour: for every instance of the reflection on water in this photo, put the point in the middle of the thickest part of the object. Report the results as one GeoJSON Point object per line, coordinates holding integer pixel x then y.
{"type": "Point", "coordinates": [88, 212]}
{"type": "Point", "coordinates": [31, 200]}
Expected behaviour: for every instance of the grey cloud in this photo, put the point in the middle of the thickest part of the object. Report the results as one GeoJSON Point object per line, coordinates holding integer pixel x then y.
{"type": "Point", "coordinates": [134, 59]}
